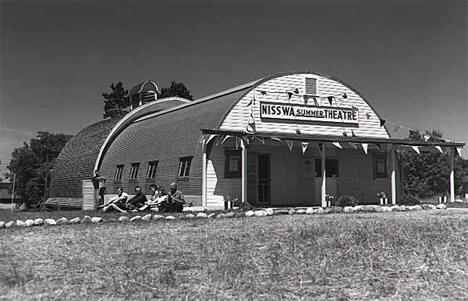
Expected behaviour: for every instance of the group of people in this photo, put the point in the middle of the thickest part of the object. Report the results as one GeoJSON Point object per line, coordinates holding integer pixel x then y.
{"type": "Point", "coordinates": [173, 201]}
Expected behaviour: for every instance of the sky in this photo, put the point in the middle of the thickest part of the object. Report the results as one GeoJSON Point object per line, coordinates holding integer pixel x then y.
{"type": "Point", "coordinates": [408, 58]}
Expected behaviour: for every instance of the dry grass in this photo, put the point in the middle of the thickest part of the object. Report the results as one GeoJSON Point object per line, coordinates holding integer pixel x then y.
{"type": "Point", "coordinates": [418, 255]}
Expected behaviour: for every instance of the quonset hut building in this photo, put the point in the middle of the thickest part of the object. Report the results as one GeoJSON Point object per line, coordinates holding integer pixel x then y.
{"type": "Point", "coordinates": [284, 140]}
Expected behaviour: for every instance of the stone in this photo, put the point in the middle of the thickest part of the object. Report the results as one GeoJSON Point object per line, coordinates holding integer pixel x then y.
{"type": "Point", "coordinates": [9, 224]}
{"type": "Point", "coordinates": [202, 215]}
{"type": "Point", "coordinates": [230, 214]}
{"type": "Point", "coordinates": [158, 216]}
{"type": "Point", "coordinates": [281, 211]}
{"type": "Point", "coordinates": [75, 220]}
{"type": "Point", "coordinates": [96, 219]}
{"type": "Point", "coordinates": [379, 208]}
{"type": "Point", "coordinates": [28, 222]}
{"type": "Point", "coordinates": [301, 211]}
{"type": "Point", "coordinates": [328, 210]}
{"type": "Point", "coordinates": [20, 223]}
{"type": "Point", "coordinates": [190, 215]}
{"type": "Point", "coordinates": [211, 215]}
{"type": "Point", "coordinates": [50, 222]}
{"type": "Point", "coordinates": [309, 210]}
{"type": "Point", "coordinates": [2, 224]}
{"type": "Point", "coordinates": [249, 213]}
{"type": "Point", "coordinates": [135, 218]}
{"type": "Point", "coordinates": [441, 206]}
{"type": "Point", "coordinates": [417, 208]}
{"type": "Point", "coordinates": [337, 209]}
{"type": "Point", "coordinates": [395, 208]}
{"type": "Point", "coordinates": [269, 211]}
{"type": "Point", "coordinates": [319, 211]}
{"type": "Point", "coordinates": [123, 219]}
{"type": "Point", "coordinates": [146, 218]}
{"type": "Point", "coordinates": [170, 217]}
{"type": "Point", "coordinates": [86, 219]}
{"type": "Point", "coordinates": [291, 211]}
{"type": "Point", "coordinates": [358, 208]}
{"type": "Point", "coordinates": [403, 208]}
{"type": "Point", "coordinates": [61, 221]}
{"type": "Point", "coordinates": [38, 222]}
{"type": "Point", "coordinates": [348, 209]}
{"type": "Point", "coordinates": [260, 213]}
{"type": "Point", "coordinates": [221, 215]}
{"type": "Point", "coordinates": [386, 209]}
{"type": "Point", "coordinates": [368, 208]}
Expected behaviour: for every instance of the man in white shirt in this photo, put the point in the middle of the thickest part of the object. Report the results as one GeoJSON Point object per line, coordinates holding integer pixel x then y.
{"type": "Point", "coordinates": [118, 202]}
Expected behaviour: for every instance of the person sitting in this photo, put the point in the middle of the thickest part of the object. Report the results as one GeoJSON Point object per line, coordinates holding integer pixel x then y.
{"type": "Point", "coordinates": [118, 202]}
{"type": "Point", "coordinates": [175, 200]}
{"type": "Point", "coordinates": [138, 201]}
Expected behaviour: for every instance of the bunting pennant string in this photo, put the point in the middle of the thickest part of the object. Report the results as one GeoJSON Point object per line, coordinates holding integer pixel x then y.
{"type": "Point", "coordinates": [337, 144]}
{"type": "Point", "coordinates": [382, 122]}
{"type": "Point", "coordinates": [364, 147]}
{"type": "Point", "coordinates": [304, 146]}
{"type": "Point", "coordinates": [378, 146]}
{"type": "Point", "coordinates": [353, 145]}
{"type": "Point", "coordinates": [319, 147]}
{"type": "Point", "coordinates": [330, 99]}
{"type": "Point", "coordinates": [459, 149]}
{"type": "Point", "coordinates": [439, 148]}
{"type": "Point", "coordinates": [290, 144]}
{"type": "Point", "coordinates": [416, 149]}
{"type": "Point", "coordinates": [426, 138]}
{"type": "Point", "coordinates": [353, 134]}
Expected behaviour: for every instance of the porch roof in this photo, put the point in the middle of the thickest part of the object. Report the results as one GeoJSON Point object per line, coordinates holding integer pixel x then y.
{"type": "Point", "coordinates": [328, 138]}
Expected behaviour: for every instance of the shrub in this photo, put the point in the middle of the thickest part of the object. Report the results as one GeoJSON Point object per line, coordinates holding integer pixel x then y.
{"type": "Point", "coordinates": [346, 200]}
{"type": "Point", "coordinates": [408, 199]}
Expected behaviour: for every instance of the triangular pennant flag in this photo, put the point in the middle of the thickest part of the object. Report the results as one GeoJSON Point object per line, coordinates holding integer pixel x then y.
{"type": "Point", "coordinates": [345, 134]}
{"type": "Point", "coordinates": [344, 95]}
{"type": "Point", "coordinates": [337, 144]}
{"type": "Point", "coordinates": [416, 148]}
{"type": "Point", "coordinates": [304, 146]}
{"type": "Point", "coordinates": [330, 99]}
{"type": "Point", "coordinates": [459, 149]}
{"type": "Point", "coordinates": [353, 134]}
{"type": "Point", "coordinates": [426, 137]}
{"type": "Point", "coordinates": [319, 147]}
{"type": "Point", "coordinates": [364, 147]}
{"type": "Point", "coordinates": [237, 142]}
{"type": "Point", "coordinates": [250, 103]}
{"type": "Point", "coordinates": [276, 139]}
{"type": "Point", "coordinates": [439, 148]}
{"type": "Point", "coordinates": [353, 145]}
{"type": "Point", "coordinates": [260, 139]}
{"type": "Point", "coordinates": [378, 146]}
{"type": "Point", "coordinates": [296, 91]}
{"type": "Point", "coordinates": [316, 102]}
{"type": "Point", "coordinates": [289, 95]}
{"type": "Point", "coordinates": [290, 144]}
{"type": "Point", "coordinates": [224, 139]}
{"type": "Point", "coordinates": [298, 131]}
{"type": "Point", "coordinates": [262, 92]}
{"type": "Point", "coordinates": [382, 122]}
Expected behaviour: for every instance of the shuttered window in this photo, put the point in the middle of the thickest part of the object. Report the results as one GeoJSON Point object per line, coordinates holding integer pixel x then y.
{"type": "Point", "coordinates": [311, 86]}
{"type": "Point", "coordinates": [380, 165]}
{"type": "Point", "coordinates": [118, 173]}
{"type": "Point", "coordinates": [232, 163]}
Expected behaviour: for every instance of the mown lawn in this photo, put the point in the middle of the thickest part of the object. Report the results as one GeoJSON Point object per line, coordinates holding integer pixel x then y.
{"type": "Point", "coordinates": [398, 255]}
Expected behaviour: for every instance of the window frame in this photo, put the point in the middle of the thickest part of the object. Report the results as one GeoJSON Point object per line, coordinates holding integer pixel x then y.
{"type": "Point", "coordinates": [152, 169]}
{"type": "Point", "coordinates": [183, 167]}
{"type": "Point", "coordinates": [383, 156]}
{"type": "Point", "coordinates": [228, 152]}
{"type": "Point", "coordinates": [118, 172]}
{"type": "Point", "coordinates": [133, 173]}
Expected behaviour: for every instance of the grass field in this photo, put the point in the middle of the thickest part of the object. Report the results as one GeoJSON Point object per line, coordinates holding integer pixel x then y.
{"type": "Point", "coordinates": [399, 255]}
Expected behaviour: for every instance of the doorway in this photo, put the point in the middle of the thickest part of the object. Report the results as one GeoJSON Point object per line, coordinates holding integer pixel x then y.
{"type": "Point", "coordinates": [264, 180]}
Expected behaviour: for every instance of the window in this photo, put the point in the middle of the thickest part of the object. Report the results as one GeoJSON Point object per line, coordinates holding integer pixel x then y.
{"type": "Point", "coordinates": [184, 167]}
{"type": "Point", "coordinates": [380, 165]}
{"type": "Point", "coordinates": [310, 86]}
{"type": "Point", "coordinates": [118, 173]}
{"type": "Point", "coordinates": [151, 172]}
{"type": "Point", "coordinates": [331, 168]}
{"type": "Point", "coordinates": [134, 171]}
{"type": "Point", "coordinates": [232, 163]}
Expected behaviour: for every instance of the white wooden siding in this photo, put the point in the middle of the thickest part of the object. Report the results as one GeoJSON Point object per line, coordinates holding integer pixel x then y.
{"type": "Point", "coordinates": [238, 117]}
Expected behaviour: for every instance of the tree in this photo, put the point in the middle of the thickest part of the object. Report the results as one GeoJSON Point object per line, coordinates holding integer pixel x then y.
{"type": "Point", "coordinates": [427, 174]}
{"type": "Point", "coordinates": [176, 89]}
{"type": "Point", "coordinates": [32, 164]}
{"type": "Point", "coordinates": [117, 102]}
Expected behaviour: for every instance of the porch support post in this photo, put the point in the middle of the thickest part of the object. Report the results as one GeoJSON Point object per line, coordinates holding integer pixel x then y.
{"type": "Point", "coordinates": [452, 176]}
{"type": "Point", "coordinates": [244, 171]}
{"type": "Point", "coordinates": [393, 175]}
{"type": "Point", "coordinates": [204, 175]}
{"type": "Point", "coordinates": [324, 177]}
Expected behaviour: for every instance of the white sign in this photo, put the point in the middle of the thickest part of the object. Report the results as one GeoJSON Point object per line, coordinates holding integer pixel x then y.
{"type": "Point", "coordinates": [299, 112]}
